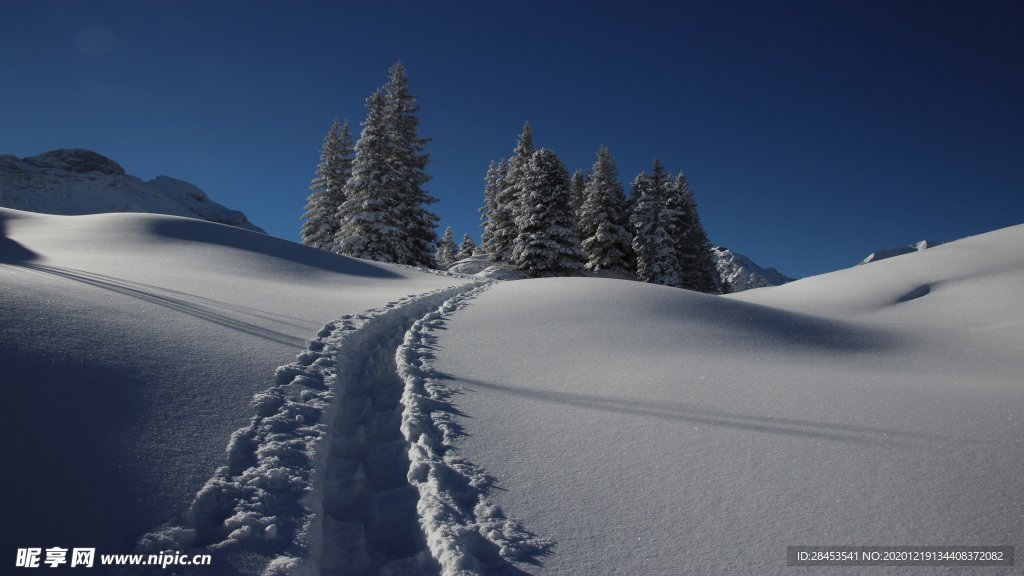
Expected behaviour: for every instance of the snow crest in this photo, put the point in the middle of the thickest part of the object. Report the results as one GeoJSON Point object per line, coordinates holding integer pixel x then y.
{"type": "Point", "coordinates": [317, 482]}
{"type": "Point", "coordinates": [466, 533]}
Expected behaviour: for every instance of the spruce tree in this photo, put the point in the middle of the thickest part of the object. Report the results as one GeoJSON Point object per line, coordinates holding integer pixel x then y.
{"type": "Point", "coordinates": [446, 250]}
{"type": "Point", "coordinates": [603, 223]}
{"type": "Point", "coordinates": [371, 218]}
{"type": "Point", "coordinates": [328, 187]}
{"type": "Point", "coordinates": [509, 196]}
{"type": "Point", "coordinates": [577, 186]}
{"type": "Point", "coordinates": [547, 243]}
{"type": "Point", "coordinates": [651, 219]}
{"type": "Point", "coordinates": [696, 262]}
{"type": "Point", "coordinates": [409, 163]}
{"type": "Point", "coordinates": [467, 248]}
{"type": "Point", "coordinates": [490, 217]}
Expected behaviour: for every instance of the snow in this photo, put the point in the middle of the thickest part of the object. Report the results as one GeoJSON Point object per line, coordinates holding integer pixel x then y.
{"type": "Point", "coordinates": [651, 430]}
{"type": "Point", "coordinates": [481, 266]}
{"type": "Point", "coordinates": [172, 383]}
{"type": "Point", "coordinates": [899, 251]}
{"type": "Point", "coordinates": [132, 347]}
{"type": "Point", "coordinates": [742, 273]}
{"type": "Point", "coordinates": [73, 182]}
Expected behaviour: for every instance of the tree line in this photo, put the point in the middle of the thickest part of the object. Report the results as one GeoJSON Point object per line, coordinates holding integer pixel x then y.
{"type": "Point", "coordinates": [368, 201]}
{"type": "Point", "coordinates": [540, 220]}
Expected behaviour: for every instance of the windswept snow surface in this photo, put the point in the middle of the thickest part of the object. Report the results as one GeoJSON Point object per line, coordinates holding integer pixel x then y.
{"type": "Point", "coordinates": [649, 430]}
{"type": "Point", "coordinates": [131, 348]}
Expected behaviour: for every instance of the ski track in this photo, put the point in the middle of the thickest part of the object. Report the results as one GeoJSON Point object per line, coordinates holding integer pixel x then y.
{"type": "Point", "coordinates": [349, 465]}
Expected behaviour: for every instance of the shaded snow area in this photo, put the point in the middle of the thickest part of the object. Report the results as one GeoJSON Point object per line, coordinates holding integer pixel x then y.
{"type": "Point", "coordinates": [132, 347]}
{"type": "Point", "coordinates": [647, 430]}
{"type": "Point", "coordinates": [899, 251]}
{"type": "Point", "coordinates": [71, 182]}
{"type": "Point", "coordinates": [742, 273]}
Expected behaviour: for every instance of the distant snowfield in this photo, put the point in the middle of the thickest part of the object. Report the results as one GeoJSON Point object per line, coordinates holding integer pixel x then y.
{"type": "Point", "coordinates": [422, 423]}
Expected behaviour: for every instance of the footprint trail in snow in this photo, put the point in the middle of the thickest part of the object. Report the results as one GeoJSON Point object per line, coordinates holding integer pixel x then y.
{"type": "Point", "coordinates": [349, 465]}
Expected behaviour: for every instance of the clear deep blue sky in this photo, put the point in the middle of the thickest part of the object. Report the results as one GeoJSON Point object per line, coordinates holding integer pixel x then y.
{"type": "Point", "coordinates": [812, 132]}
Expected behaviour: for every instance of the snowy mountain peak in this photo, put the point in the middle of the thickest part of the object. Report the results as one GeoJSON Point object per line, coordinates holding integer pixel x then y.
{"type": "Point", "coordinates": [76, 160]}
{"type": "Point", "coordinates": [898, 251]}
{"type": "Point", "coordinates": [742, 273]}
{"type": "Point", "coordinates": [76, 181]}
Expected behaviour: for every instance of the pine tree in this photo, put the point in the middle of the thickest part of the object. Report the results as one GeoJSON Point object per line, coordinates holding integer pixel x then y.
{"type": "Point", "coordinates": [696, 262]}
{"type": "Point", "coordinates": [651, 218]}
{"type": "Point", "coordinates": [489, 216]}
{"type": "Point", "coordinates": [409, 174]}
{"type": "Point", "coordinates": [467, 248]}
{"type": "Point", "coordinates": [328, 186]}
{"type": "Point", "coordinates": [547, 244]}
{"type": "Point", "coordinates": [603, 222]}
{"type": "Point", "coordinates": [577, 193]}
{"type": "Point", "coordinates": [446, 250]}
{"type": "Point", "coordinates": [384, 216]}
{"type": "Point", "coordinates": [371, 218]}
{"type": "Point", "coordinates": [509, 196]}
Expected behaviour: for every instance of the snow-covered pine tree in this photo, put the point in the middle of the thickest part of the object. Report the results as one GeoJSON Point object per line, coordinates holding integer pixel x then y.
{"type": "Point", "coordinates": [652, 241]}
{"type": "Point", "coordinates": [409, 163]}
{"type": "Point", "coordinates": [467, 248]}
{"type": "Point", "coordinates": [577, 186]}
{"type": "Point", "coordinates": [371, 218]}
{"type": "Point", "coordinates": [547, 243]}
{"type": "Point", "coordinates": [603, 222]}
{"type": "Point", "coordinates": [446, 250]}
{"type": "Point", "coordinates": [328, 187]}
{"type": "Point", "coordinates": [696, 265]}
{"type": "Point", "coordinates": [489, 217]}
{"type": "Point", "coordinates": [508, 197]}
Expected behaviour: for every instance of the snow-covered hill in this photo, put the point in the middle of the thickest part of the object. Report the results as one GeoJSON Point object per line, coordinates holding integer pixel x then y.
{"type": "Point", "coordinates": [742, 273]}
{"type": "Point", "coordinates": [131, 348]}
{"type": "Point", "coordinates": [647, 430]}
{"type": "Point", "coordinates": [175, 384]}
{"type": "Point", "coordinates": [79, 181]}
{"type": "Point", "coordinates": [898, 251]}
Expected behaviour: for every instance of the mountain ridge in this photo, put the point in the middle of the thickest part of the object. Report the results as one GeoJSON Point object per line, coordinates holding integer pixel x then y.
{"type": "Point", "coordinates": [76, 181]}
{"type": "Point", "coordinates": [742, 273]}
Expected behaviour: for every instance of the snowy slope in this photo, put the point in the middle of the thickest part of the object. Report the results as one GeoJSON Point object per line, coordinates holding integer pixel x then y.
{"type": "Point", "coordinates": [78, 181]}
{"type": "Point", "coordinates": [131, 347]}
{"type": "Point", "coordinates": [899, 251]}
{"type": "Point", "coordinates": [171, 383]}
{"type": "Point", "coordinates": [742, 273]}
{"type": "Point", "coordinates": [647, 430]}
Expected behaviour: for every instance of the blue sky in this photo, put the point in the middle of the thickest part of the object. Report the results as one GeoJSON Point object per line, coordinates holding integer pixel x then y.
{"type": "Point", "coordinates": [812, 132]}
